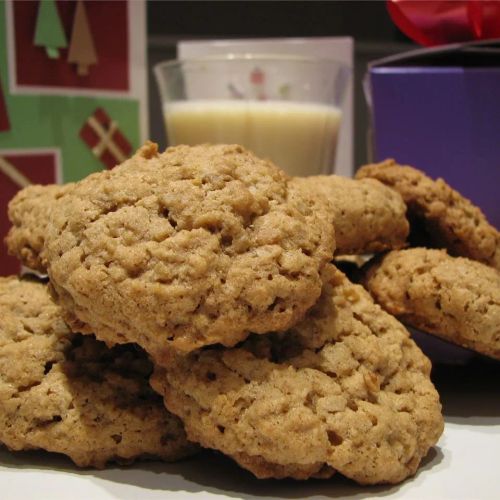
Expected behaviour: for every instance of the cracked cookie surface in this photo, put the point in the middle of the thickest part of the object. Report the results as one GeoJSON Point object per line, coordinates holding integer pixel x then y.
{"type": "Point", "coordinates": [454, 298]}
{"type": "Point", "coordinates": [445, 218]}
{"type": "Point", "coordinates": [194, 246]}
{"type": "Point", "coordinates": [68, 393]}
{"type": "Point", "coordinates": [368, 217]}
{"type": "Point", "coordinates": [345, 390]}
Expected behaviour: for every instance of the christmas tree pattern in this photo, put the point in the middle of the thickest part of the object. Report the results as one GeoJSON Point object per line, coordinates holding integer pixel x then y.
{"type": "Point", "coordinates": [49, 31]}
{"type": "Point", "coordinates": [82, 49]}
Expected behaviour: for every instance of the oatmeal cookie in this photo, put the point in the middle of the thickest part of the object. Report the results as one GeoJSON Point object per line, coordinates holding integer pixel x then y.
{"type": "Point", "coordinates": [454, 298]}
{"type": "Point", "coordinates": [194, 246]}
{"type": "Point", "coordinates": [345, 390]}
{"type": "Point", "coordinates": [69, 393]}
{"type": "Point", "coordinates": [368, 217]}
{"type": "Point", "coordinates": [29, 214]}
{"type": "Point", "coordinates": [442, 216]}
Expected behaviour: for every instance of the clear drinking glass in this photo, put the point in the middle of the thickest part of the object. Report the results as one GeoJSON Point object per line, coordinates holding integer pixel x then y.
{"type": "Point", "coordinates": [283, 107]}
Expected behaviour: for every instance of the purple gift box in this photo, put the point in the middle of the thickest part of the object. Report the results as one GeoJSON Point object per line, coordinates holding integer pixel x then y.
{"type": "Point", "coordinates": [439, 110]}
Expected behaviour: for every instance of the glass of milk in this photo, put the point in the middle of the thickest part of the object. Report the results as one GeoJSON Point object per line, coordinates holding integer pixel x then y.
{"type": "Point", "coordinates": [283, 107]}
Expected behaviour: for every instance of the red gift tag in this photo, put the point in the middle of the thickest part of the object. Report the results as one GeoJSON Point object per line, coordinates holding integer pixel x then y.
{"type": "Point", "coordinates": [104, 139]}
{"type": "Point", "coordinates": [438, 22]}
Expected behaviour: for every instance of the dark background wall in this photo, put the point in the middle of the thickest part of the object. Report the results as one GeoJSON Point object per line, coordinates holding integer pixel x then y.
{"type": "Point", "coordinates": [366, 21]}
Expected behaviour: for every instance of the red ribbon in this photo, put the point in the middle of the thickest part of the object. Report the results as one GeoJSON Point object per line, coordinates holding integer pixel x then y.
{"type": "Point", "coordinates": [437, 22]}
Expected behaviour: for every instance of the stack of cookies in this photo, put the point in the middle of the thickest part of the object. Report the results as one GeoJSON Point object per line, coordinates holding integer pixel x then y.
{"type": "Point", "coordinates": [193, 300]}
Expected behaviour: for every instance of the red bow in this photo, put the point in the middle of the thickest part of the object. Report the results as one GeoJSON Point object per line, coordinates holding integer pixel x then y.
{"type": "Point", "coordinates": [437, 22]}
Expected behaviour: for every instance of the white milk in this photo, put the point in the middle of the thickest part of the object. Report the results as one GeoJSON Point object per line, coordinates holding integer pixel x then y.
{"type": "Point", "coordinates": [299, 137]}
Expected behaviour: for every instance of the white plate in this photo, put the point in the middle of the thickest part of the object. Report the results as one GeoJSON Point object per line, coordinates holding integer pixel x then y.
{"type": "Point", "coordinates": [464, 464]}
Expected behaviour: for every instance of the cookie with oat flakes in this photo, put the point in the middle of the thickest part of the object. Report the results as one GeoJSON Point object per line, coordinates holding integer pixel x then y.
{"type": "Point", "coordinates": [345, 390]}
{"type": "Point", "coordinates": [454, 298]}
{"type": "Point", "coordinates": [68, 393]}
{"type": "Point", "coordinates": [29, 213]}
{"type": "Point", "coordinates": [439, 216]}
{"type": "Point", "coordinates": [368, 217]}
{"type": "Point", "coordinates": [194, 246]}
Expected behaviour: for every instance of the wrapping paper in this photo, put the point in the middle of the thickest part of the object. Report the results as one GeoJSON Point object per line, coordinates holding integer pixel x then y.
{"type": "Point", "coordinates": [105, 139]}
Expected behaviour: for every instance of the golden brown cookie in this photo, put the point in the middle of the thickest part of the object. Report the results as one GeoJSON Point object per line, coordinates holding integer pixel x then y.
{"type": "Point", "coordinates": [194, 246]}
{"type": "Point", "coordinates": [448, 219]}
{"type": "Point", "coordinates": [368, 217]}
{"type": "Point", "coordinates": [29, 214]}
{"type": "Point", "coordinates": [454, 298]}
{"type": "Point", "coordinates": [346, 390]}
{"type": "Point", "coordinates": [70, 394]}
